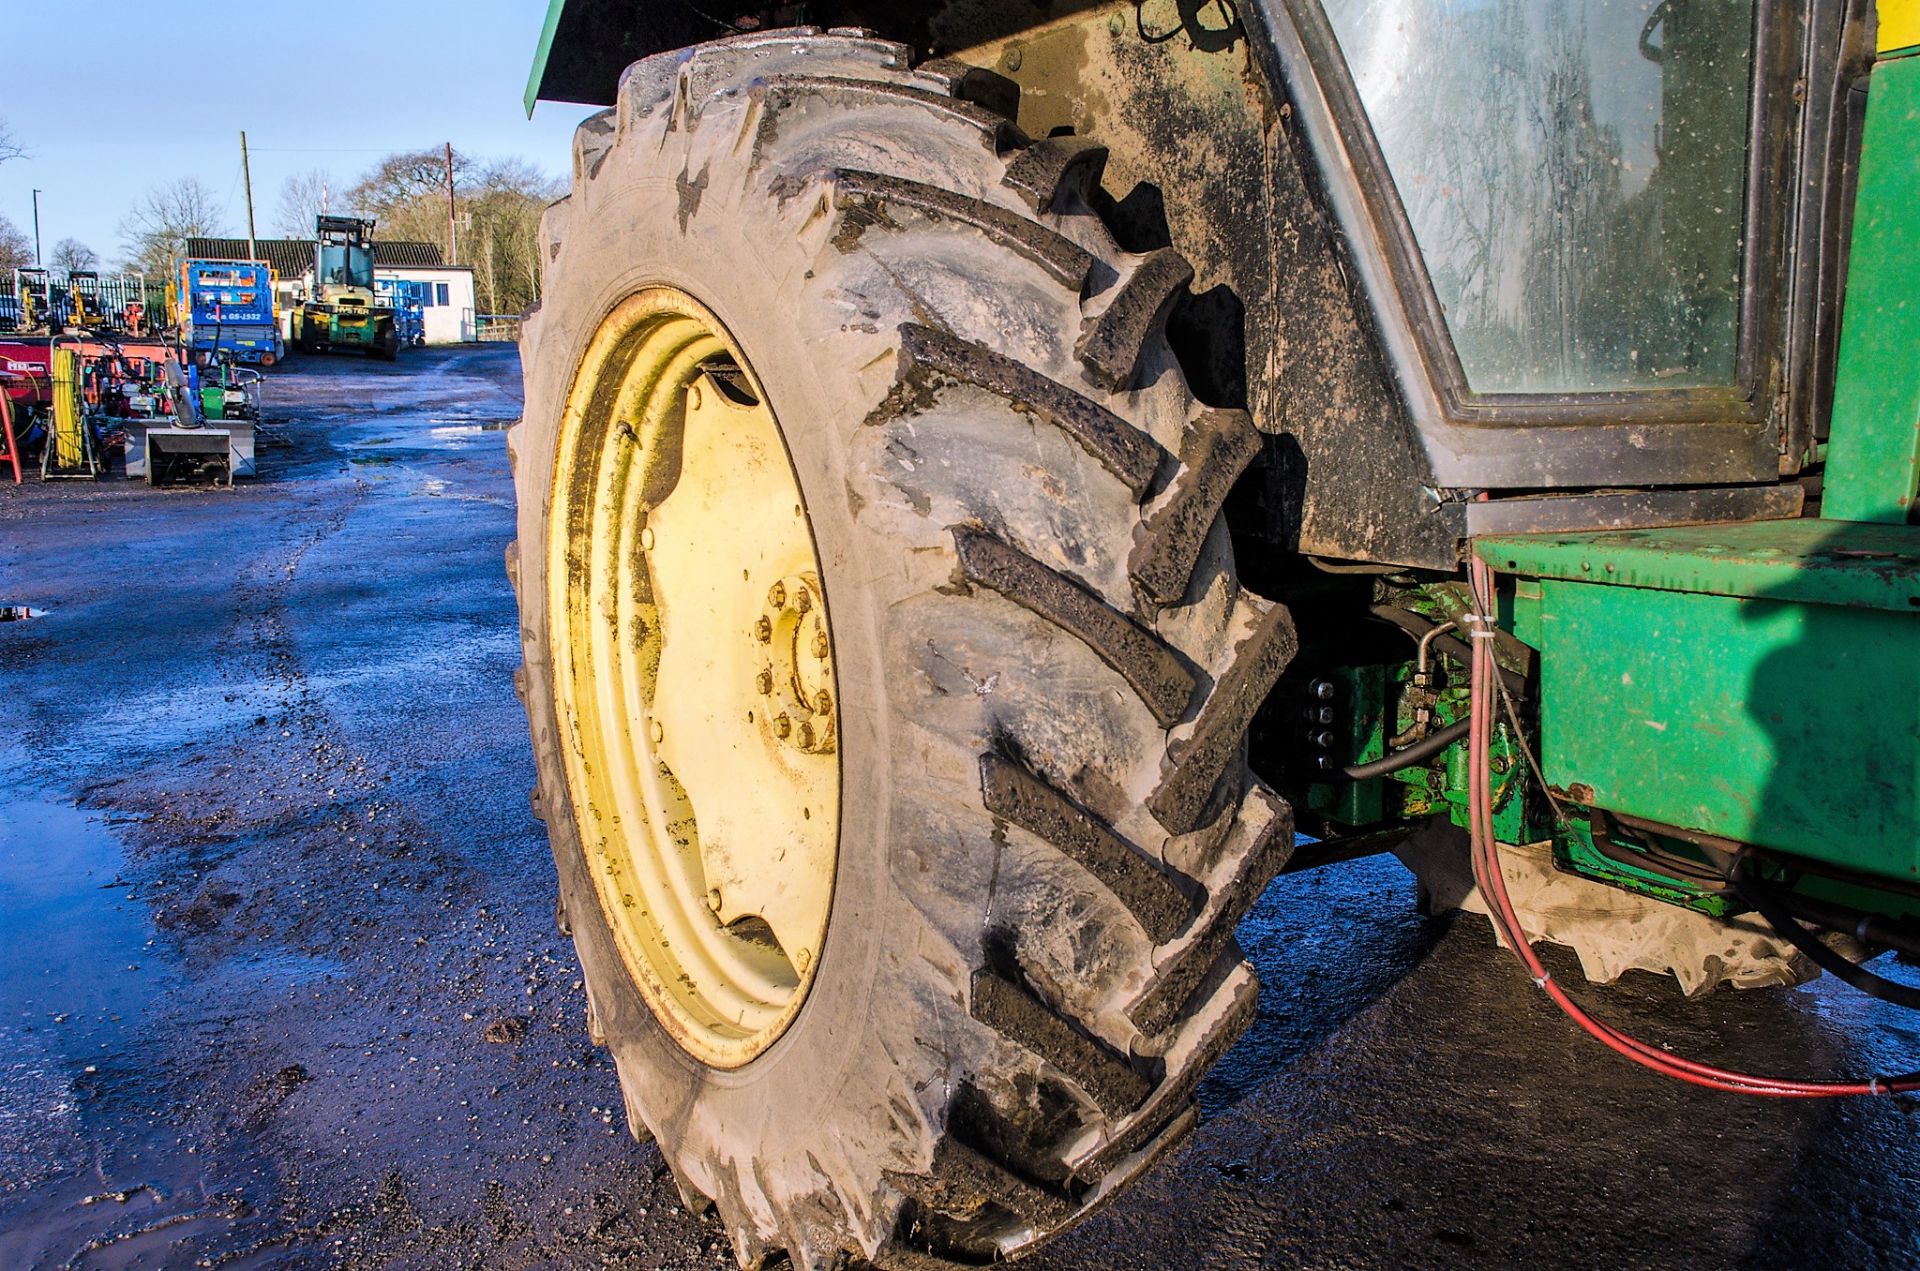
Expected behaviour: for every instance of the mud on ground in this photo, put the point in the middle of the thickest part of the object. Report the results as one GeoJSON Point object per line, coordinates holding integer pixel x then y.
{"type": "Point", "coordinates": [282, 986]}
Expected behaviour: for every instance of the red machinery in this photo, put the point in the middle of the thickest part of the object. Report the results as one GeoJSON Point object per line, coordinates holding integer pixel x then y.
{"type": "Point", "coordinates": [123, 380]}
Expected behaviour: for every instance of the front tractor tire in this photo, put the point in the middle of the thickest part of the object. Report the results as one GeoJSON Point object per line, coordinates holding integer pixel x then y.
{"type": "Point", "coordinates": [928, 988]}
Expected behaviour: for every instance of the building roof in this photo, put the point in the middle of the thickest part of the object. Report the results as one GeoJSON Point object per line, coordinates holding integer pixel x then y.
{"type": "Point", "coordinates": [292, 257]}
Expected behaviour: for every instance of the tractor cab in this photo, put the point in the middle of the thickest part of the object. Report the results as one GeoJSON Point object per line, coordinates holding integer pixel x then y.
{"type": "Point", "coordinates": [343, 260]}
{"type": "Point", "coordinates": [344, 312]}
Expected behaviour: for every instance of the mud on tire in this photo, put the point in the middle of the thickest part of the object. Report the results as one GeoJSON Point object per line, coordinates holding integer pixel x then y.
{"type": "Point", "coordinates": [1047, 665]}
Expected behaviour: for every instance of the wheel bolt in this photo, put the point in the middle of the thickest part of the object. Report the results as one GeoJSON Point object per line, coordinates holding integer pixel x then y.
{"type": "Point", "coordinates": [713, 899]}
{"type": "Point", "coordinates": [801, 960]}
{"type": "Point", "coordinates": [806, 733]}
{"type": "Point", "coordinates": [782, 725]}
{"type": "Point", "coordinates": [777, 595]}
{"type": "Point", "coordinates": [764, 630]}
{"type": "Point", "coordinates": [764, 682]}
{"type": "Point", "coordinates": [822, 704]}
{"type": "Point", "coordinates": [819, 644]}
{"type": "Point", "coordinates": [804, 601]}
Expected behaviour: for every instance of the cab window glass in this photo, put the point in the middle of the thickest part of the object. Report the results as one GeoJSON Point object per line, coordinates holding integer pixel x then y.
{"type": "Point", "coordinates": [1574, 171]}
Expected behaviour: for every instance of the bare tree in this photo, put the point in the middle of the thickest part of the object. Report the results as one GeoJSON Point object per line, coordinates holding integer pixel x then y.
{"type": "Point", "coordinates": [154, 234]}
{"type": "Point", "coordinates": [303, 197]}
{"type": "Point", "coordinates": [9, 148]}
{"type": "Point", "coordinates": [407, 194]}
{"type": "Point", "coordinates": [16, 251]}
{"type": "Point", "coordinates": [71, 253]}
{"type": "Point", "coordinates": [499, 206]}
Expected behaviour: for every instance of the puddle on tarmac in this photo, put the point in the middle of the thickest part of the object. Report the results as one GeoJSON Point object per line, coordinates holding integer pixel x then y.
{"type": "Point", "coordinates": [458, 434]}
{"type": "Point", "coordinates": [94, 1150]}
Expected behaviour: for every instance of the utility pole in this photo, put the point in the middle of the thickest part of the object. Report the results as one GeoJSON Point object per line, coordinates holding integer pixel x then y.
{"type": "Point", "coordinates": [36, 227]}
{"type": "Point", "coordinates": [246, 178]}
{"type": "Point", "coordinates": [453, 239]}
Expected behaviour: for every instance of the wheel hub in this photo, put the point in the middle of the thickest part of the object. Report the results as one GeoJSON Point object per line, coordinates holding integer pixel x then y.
{"type": "Point", "coordinates": [693, 677]}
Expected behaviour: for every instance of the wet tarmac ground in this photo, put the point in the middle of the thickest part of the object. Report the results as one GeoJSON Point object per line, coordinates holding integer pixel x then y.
{"type": "Point", "coordinates": [280, 984]}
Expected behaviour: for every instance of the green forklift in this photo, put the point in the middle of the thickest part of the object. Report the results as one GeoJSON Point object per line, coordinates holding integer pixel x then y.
{"type": "Point", "coordinates": [1001, 482]}
{"type": "Point", "coordinates": [343, 313]}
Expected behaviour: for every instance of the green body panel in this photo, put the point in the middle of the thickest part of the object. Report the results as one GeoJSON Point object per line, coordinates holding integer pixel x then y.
{"type": "Point", "coordinates": [542, 53]}
{"type": "Point", "coordinates": [349, 328]}
{"type": "Point", "coordinates": [1574, 851]}
{"type": "Point", "coordinates": [1759, 682]}
{"type": "Point", "coordinates": [1805, 561]}
{"type": "Point", "coordinates": [1873, 458]}
{"type": "Point", "coordinates": [1363, 738]}
{"type": "Point", "coordinates": [1379, 706]}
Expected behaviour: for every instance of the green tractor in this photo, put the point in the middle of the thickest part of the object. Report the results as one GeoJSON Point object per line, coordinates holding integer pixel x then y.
{"type": "Point", "coordinates": [1001, 484]}
{"type": "Point", "coordinates": [342, 313]}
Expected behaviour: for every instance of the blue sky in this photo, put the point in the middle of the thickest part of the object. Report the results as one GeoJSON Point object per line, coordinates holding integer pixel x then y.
{"type": "Point", "coordinates": [112, 97]}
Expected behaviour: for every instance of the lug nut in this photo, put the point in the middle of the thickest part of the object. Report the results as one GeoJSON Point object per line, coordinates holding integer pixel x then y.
{"type": "Point", "coordinates": [801, 960]}
{"type": "Point", "coordinates": [713, 899]}
{"type": "Point", "coordinates": [1323, 762]}
{"type": "Point", "coordinates": [822, 704]}
{"type": "Point", "coordinates": [1322, 690]}
{"type": "Point", "coordinates": [806, 733]}
{"type": "Point", "coordinates": [777, 595]}
{"type": "Point", "coordinates": [819, 644]}
{"type": "Point", "coordinates": [764, 682]}
{"type": "Point", "coordinates": [763, 629]}
{"type": "Point", "coordinates": [804, 601]}
{"type": "Point", "coordinates": [1324, 740]}
{"type": "Point", "coordinates": [782, 725]}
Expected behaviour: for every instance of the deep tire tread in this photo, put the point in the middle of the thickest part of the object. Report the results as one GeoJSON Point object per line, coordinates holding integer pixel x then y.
{"type": "Point", "coordinates": [1111, 342]}
{"type": "Point", "coordinates": [1015, 1012]}
{"type": "Point", "coordinates": [1203, 758]}
{"type": "Point", "coordinates": [1053, 167]}
{"type": "Point", "coordinates": [870, 194]}
{"type": "Point", "coordinates": [1220, 445]}
{"type": "Point", "coordinates": [1016, 794]}
{"type": "Point", "coordinates": [927, 356]}
{"type": "Point", "coordinates": [962, 1179]}
{"type": "Point", "coordinates": [847, 93]}
{"type": "Point", "coordinates": [1147, 662]}
{"type": "Point", "coordinates": [1177, 979]}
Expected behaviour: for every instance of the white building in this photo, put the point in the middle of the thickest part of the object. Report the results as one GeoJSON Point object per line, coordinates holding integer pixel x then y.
{"type": "Point", "coordinates": [448, 297]}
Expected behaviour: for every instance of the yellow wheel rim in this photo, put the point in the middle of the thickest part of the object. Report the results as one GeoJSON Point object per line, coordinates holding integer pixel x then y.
{"type": "Point", "coordinates": [693, 677]}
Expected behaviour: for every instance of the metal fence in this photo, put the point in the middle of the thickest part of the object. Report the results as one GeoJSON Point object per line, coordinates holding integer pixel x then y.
{"type": "Point", "coordinates": [38, 298]}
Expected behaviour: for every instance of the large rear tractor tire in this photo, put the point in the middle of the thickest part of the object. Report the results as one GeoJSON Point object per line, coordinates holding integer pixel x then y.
{"type": "Point", "coordinates": [886, 667]}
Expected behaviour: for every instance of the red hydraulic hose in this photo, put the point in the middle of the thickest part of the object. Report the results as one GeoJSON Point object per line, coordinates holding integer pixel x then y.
{"type": "Point", "coordinates": [1493, 887]}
